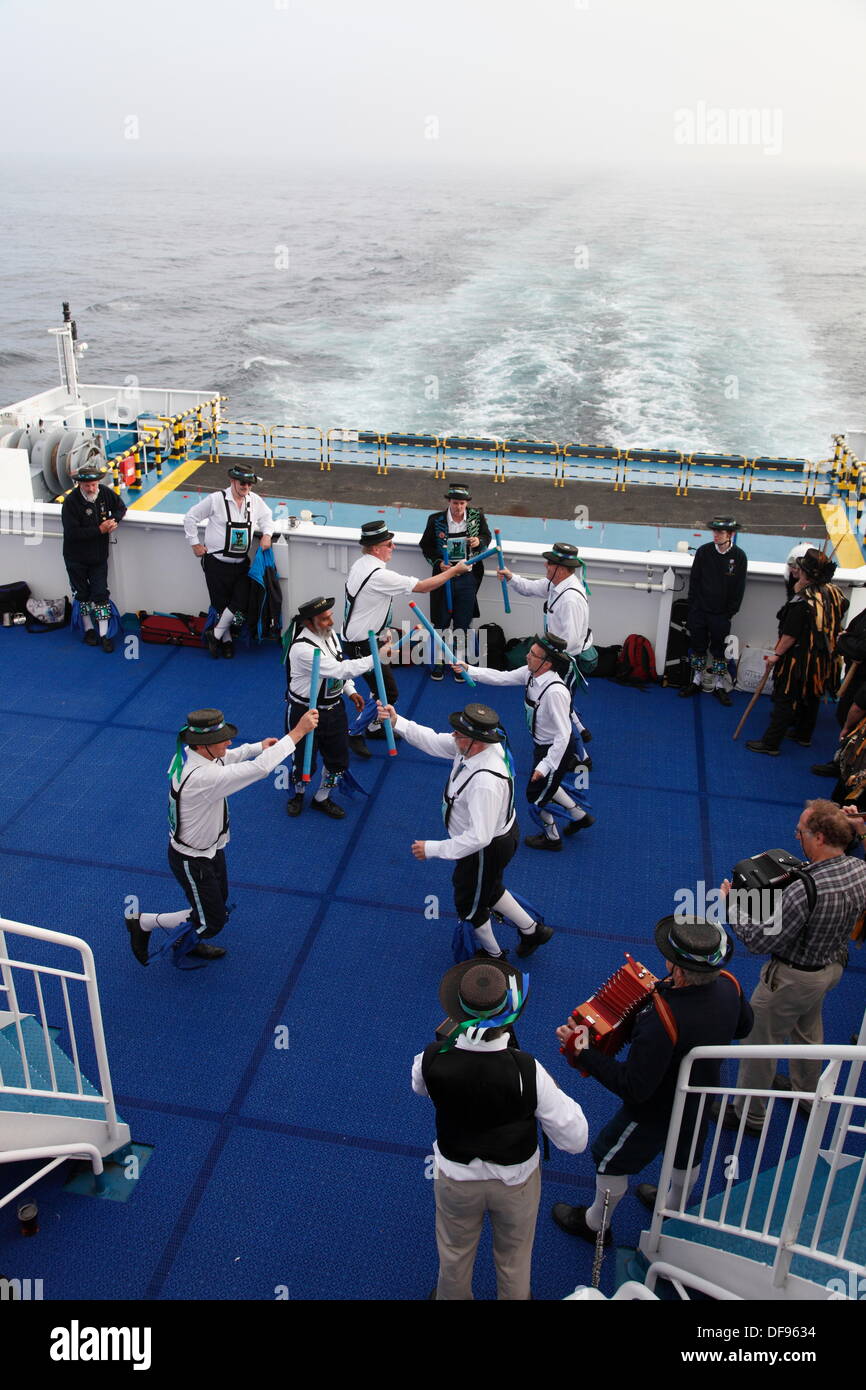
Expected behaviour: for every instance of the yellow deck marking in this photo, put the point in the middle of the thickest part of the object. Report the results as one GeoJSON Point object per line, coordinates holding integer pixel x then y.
{"type": "Point", "coordinates": [849, 555]}
{"type": "Point", "coordinates": [179, 475]}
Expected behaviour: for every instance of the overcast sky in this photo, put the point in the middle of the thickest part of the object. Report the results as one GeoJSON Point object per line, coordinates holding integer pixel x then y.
{"type": "Point", "coordinates": [433, 82]}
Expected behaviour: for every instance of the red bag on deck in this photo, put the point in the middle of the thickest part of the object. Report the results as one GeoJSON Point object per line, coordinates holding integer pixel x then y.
{"type": "Point", "coordinates": [173, 629]}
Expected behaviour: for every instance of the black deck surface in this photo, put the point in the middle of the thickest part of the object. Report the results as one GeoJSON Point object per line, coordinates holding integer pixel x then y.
{"type": "Point", "coordinates": [771, 515]}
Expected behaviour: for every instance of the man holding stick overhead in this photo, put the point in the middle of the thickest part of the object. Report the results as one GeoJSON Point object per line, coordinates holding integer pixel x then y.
{"type": "Point", "coordinates": [313, 630]}
{"type": "Point", "coordinates": [479, 816]}
{"type": "Point", "coordinates": [455, 534]}
{"type": "Point", "coordinates": [370, 590]}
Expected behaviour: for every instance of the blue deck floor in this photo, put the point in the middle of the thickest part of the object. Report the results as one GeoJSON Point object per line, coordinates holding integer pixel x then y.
{"type": "Point", "coordinates": [304, 1168]}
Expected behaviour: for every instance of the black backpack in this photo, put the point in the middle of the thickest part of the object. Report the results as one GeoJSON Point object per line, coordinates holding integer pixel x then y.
{"type": "Point", "coordinates": [678, 669]}
{"type": "Point", "coordinates": [493, 646]}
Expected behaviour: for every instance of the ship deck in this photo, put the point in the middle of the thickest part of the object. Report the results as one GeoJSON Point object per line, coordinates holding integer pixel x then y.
{"type": "Point", "coordinates": [304, 1168]}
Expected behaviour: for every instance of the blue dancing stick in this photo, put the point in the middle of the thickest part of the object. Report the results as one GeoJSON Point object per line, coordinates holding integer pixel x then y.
{"type": "Point", "coordinates": [485, 555]}
{"type": "Point", "coordinates": [437, 637]}
{"type": "Point", "coordinates": [503, 582]}
{"type": "Point", "coordinates": [380, 688]}
{"type": "Point", "coordinates": [314, 700]}
{"type": "Point", "coordinates": [443, 551]}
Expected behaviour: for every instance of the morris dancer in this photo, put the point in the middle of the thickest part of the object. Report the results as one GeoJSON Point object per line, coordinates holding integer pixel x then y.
{"type": "Point", "coordinates": [198, 817]}
{"type": "Point", "coordinates": [448, 536]}
{"type": "Point", "coordinates": [370, 590]}
{"type": "Point", "coordinates": [480, 820]}
{"type": "Point", "coordinates": [314, 627]}
{"type": "Point", "coordinates": [566, 610]}
{"type": "Point", "coordinates": [89, 515]}
{"type": "Point", "coordinates": [547, 701]}
{"type": "Point", "coordinates": [230, 517]}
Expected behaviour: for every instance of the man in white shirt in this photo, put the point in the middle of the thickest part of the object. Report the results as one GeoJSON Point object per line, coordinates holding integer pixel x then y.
{"type": "Point", "coordinates": [566, 608]}
{"type": "Point", "coordinates": [370, 590]}
{"type": "Point", "coordinates": [198, 817]}
{"type": "Point", "coordinates": [489, 1098]}
{"type": "Point", "coordinates": [314, 630]}
{"type": "Point", "coordinates": [478, 811]}
{"type": "Point", "coordinates": [547, 703]}
{"type": "Point", "coordinates": [229, 517]}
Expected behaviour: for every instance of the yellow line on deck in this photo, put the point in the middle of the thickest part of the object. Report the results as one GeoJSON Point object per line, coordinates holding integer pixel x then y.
{"type": "Point", "coordinates": [848, 554]}
{"type": "Point", "coordinates": [168, 484]}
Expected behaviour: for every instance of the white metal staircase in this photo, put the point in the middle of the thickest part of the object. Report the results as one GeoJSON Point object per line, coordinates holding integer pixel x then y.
{"type": "Point", "coordinates": [49, 1109]}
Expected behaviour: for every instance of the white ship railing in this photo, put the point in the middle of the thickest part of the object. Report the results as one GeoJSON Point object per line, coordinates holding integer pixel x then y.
{"type": "Point", "coordinates": [15, 976]}
{"type": "Point", "coordinates": [774, 1150]}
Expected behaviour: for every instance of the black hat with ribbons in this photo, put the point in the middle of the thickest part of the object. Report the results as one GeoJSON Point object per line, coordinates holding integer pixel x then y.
{"type": "Point", "coordinates": [240, 473]}
{"type": "Point", "coordinates": [478, 722]}
{"type": "Point", "coordinates": [314, 608]}
{"type": "Point", "coordinates": [458, 493]}
{"type": "Point", "coordinates": [375, 533]}
{"type": "Point", "coordinates": [204, 726]}
{"type": "Point", "coordinates": [693, 943]}
{"type": "Point", "coordinates": [563, 554]}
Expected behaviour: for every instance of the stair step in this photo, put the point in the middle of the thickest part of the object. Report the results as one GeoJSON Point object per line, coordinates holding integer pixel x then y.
{"type": "Point", "coordinates": [40, 1074]}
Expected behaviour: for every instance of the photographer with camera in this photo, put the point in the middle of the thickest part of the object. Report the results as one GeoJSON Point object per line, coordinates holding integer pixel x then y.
{"type": "Point", "coordinates": [808, 949]}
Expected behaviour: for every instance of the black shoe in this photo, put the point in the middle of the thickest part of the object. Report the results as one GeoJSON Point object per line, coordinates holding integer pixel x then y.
{"type": "Point", "coordinates": [690, 689]}
{"type": "Point", "coordinates": [586, 736]}
{"type": "Point", "coordinates": [206, 951]}
{"type": "Point", "coordinates": [359, 747]}
{"type": "Point", "coordinates": [213, 645]}
{"type": "Point", "coordinates": [573, 1220]}
{"type": "Point", "coordinates": [755, 745]}
{"type": "Point", "coordinates": [481, 954]}
{"type": "Point", "coordinates": [107, 644]}
{"type": "Point", "coordinates": [583, 824]}
{"type": "Point", "coordinates": [329, 808]}
{"type": "Point", "coordinates": [437, 674]}
{"type": "Point", "coordinates": [781, 1082]}
{"type": "Point", "coordinates": [296, 804]}
{"type": "Point", "coordinates": [459, 677]}
{"type": "Point", "coordinates": [90, 637]}
{"type": "Point", "coordinates": [376, 733]}
{"type": "Point", "coordinates": [731, 1120]}
{"type": "Point", "coordinates": [584, 762]}
{"type": "Point", "coordinates": [543, 841]}
{"type": "Point", "coordinates": [722, 696]}
{"type": "Point", "coordinates": [646, 1193]}
{"type": "Point", "coordinates": [530, 942]}
{"type": "Point", "coordinates": [228, 650]}
{"type": "Point", "coordinates": [825, 770]}
{"type": "Point", "coordinates": [139, 940]}
{"type": "Point", "coordinates": [803, 742]}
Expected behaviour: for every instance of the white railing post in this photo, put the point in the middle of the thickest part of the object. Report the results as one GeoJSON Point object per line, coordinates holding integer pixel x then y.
{"type": "Point", "coordinates": [8, 980]}
{"type": "Point", "coordinates": [803, 1176]}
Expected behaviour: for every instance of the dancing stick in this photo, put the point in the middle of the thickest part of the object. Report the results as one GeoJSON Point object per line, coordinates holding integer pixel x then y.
{"type": "Point", "coordinates": [437, 637]}
{"type": "Point", "coordinates": [380, 688]}
{"type": "Point", "coordinates": [503, 582]}
{"type": "Point", "coordinates": [762, 683]}
{"type": "Point", "coordinates": [443, 551]}
{"type": "Point", "coordinates": [314, 700]}
{"type": "Point", "coordinates": [485, 554]}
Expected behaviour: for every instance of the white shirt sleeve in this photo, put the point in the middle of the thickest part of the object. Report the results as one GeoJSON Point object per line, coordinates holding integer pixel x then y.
{"type": "Point", "coordinates": [197, 516]}
{"type": "Point", "coordinates": [559, 715]}
{"type": "Point", "coordinates": [263, 520]}
{"type": "Point", "coordinates": [486, 806]}
{"type": "Point", "coordinates": [417, 1078]}
{"type": "Point", "coordinates": [528, 587]}
{"type": "Point", "coordinates": [329, 666]}
{"type": "Point", "coordinates": [488, 675]}
{"type": "Point", "coordinates": [244, 765]}
{"type": "Point", "coordinates": [437, 745]}
{"type": "Point", "coordinates": [385, 581]}
{"type": "Point", "coordinates": [561, 1118]}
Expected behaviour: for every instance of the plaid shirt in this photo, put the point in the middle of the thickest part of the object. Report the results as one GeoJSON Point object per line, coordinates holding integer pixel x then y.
{"type": "Point", "coordinates": [841, 886]}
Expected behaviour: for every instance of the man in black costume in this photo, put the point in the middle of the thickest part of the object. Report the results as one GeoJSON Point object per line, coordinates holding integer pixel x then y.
{"type": "Point", "coordinates": [716, 587]}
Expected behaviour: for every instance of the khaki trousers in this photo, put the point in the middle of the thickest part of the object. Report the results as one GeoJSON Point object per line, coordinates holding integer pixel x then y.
{"type": "Point", "coordinates": [460, 1208]}
{"type": "Point", "coordinates": [787, 1005]}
